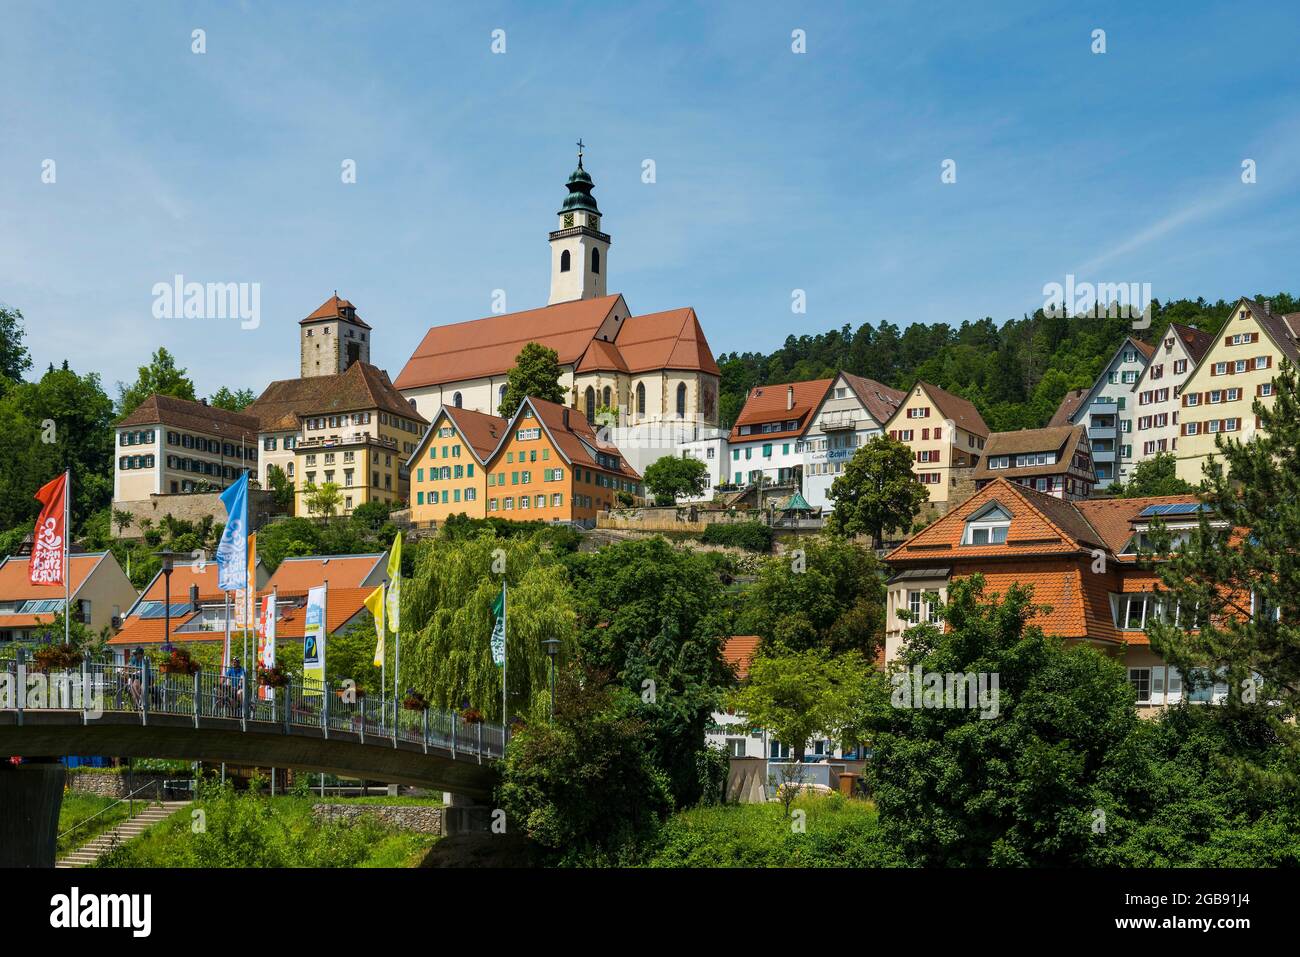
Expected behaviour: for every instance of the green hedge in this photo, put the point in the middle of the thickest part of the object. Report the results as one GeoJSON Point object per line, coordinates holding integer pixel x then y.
{"type": "Point", "coordinates": [752, 536]}
{"type": "Point", "coordinates": [837, 832]}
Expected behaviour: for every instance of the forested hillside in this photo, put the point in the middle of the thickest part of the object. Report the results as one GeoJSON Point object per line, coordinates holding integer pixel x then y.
{"type": "Point", "coordinates": [1015, 374]}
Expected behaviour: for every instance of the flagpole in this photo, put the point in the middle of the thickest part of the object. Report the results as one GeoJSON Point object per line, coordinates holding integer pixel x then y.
{"type": "Point", "coordinates": [383, 659]}
{"type": "Point", "coordinates": [67, 556]}
{"type": "Point", "coordinates": [505, 657]}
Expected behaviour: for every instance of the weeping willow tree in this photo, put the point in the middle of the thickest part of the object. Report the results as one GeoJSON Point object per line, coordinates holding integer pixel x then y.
{"type": "Point", "coordinates": [447, 623]}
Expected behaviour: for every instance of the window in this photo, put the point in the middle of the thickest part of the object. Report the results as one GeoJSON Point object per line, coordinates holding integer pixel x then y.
{"type": "Point", "coordinates": [605, 397]}
{"type": "Point", "coordinates": [989, 526]}
{"type": "Point", "coordinates": [1140, 679]}
{"type": "Point", "coordinates": [681, 400]}
{"type": "Point", "coordinates": [590, 402]}
{"type": "Point", "coordinates": [564, 261]}
{"type": "Point", "coordinates": [456, 400]}
{"type": "Point", "coordinates": [595, 261]}
{"type": "Point", "coordinates": [640, 398]}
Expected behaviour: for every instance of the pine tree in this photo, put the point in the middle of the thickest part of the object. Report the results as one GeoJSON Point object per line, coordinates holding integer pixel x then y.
{"type": "Point", "coordinates": [1237, 579]}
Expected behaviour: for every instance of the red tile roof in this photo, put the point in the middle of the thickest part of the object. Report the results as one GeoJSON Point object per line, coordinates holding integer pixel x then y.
{"type": "Point", "coordinates": [785, 402]}
{"type": "Point", "coordinates": [1113, 517]}
{"type": "Point", "coordinates": [333, 308]}
{"type": "Point", "coordinates": [297, 575]}
{"type": "Point", "coordinates": [573, 434]}
{"type": "Point", "coordinates": [194, 416]}
{"type": "Point", "coordinates": [665, 340]}
{"type": "Point", "coordinates": [362, 387]}
{"type": "Point", "coordinates": [1069, 405]}
{"type": "Point", "coordinates": [14, 585]}
{"type": "Point", "coordinates": [1197, 342]}
{"type": "Point", "coordinates": [881, 401]}
{"type": "Point", "coordinates": [961, 412]}
{"type": "Point", "coordinates": [739, 652]}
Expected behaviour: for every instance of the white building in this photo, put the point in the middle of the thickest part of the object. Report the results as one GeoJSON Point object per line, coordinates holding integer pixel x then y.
{"type": "Point", "coordinates": [766, 444]}
{"type": "Point", "coordinates": [852, 413]}
{"type": "Point", "coordinates": [1157, 395]}
{"type": "Point", "coordinates": [1108, 413]}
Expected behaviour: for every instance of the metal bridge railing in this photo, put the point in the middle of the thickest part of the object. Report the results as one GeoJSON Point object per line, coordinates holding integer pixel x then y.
{"type": "Point", "coordinates": [98, 686]}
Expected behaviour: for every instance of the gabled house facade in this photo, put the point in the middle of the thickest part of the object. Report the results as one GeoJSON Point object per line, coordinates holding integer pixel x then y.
{"type": "Point", "coordinates": [1054, 461]}
{"type": "Point", "coordinates": [1107, 411]}
{"type": "Point", "coordinates": [449, 467]}
{"type": "Point", "coordinates": [100, 592]}
{"type": "Point", "coordinates": [853, 411]}
{"type": "Point", "coordinates": [947, 436]}
{"type": "Point", "coordinates": [767, 441]}
{"type": "Point", "coordinates": [1157, 396]}
{"type": "Point", "coordinates": [1238, 367]}
{"type": "Point", "coordinates": [1079, 557]}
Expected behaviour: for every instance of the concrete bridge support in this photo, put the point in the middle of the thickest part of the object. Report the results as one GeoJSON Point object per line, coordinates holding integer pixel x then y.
{"type": "Point", "coordinates": [31, 794]}
{"type": "Point", "coordinates": [462, 814]}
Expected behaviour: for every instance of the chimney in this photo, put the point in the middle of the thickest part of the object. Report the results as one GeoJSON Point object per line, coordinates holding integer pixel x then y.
{"type": "Point", "coordinates": [789, 397]}
{"type": "Point", "coordinates": [194, 597]}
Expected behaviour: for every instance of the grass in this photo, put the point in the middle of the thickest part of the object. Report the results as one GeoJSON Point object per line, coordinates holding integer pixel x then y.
{"type": "Point", "coordinates": [229, 829]}
{"type": "Point", "coordinates": [78, 807]}
{"type": "Point", "coordinates": [836, 832]}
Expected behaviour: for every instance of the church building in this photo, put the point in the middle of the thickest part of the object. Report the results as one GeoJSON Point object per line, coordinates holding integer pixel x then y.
{"type": "Point", "coordinates": [652, 378]}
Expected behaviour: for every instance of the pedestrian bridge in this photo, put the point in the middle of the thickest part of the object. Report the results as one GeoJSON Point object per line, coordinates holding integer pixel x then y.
{"type": "Point", "coordinates": [123, 711]}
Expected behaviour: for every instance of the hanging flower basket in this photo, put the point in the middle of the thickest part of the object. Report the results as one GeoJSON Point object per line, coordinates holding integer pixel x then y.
{"type": "Point", "coordinates": [52, 657]}
{"type": "Point", "coordinates": [415, 702]}
{"type": "Point", "coordinates": [472, 716]}
{"type": "Point", "coordinates": [357, 692]}
{"type": "Point", "coordinates": [179, 662]}
{"type": "Point", "coordinates": [275, 677]}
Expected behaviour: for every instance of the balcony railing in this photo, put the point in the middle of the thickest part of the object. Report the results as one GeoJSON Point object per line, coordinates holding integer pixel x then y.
{"type": "Point", "coordinates": [351, 438]}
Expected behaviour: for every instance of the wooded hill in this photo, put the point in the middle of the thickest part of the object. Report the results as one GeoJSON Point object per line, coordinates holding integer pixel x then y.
{"type": "Point", "coordinates": [1015, 374]}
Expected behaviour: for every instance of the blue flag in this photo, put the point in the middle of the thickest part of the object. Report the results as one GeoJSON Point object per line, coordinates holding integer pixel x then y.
{"type": "Point", "coordinates": [232, 550]}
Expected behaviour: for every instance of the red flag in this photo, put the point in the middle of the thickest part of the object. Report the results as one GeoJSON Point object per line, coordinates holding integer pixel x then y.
{"type": "Point", "coordinates": [47, 563]}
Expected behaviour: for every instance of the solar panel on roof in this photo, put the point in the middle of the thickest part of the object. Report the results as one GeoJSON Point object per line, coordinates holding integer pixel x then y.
{"type": "Point", "coordinates": [1175, 508]}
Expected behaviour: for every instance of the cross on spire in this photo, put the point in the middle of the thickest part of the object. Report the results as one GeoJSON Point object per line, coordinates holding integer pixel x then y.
{"type": "Point", "coordinates": [580, 148]}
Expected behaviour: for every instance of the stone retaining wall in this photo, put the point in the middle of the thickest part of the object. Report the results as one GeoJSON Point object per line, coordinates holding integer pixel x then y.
{"type": "Point", "coordinates": [111, 784]}
{"type": "Point", "coordinates": [425, 819]}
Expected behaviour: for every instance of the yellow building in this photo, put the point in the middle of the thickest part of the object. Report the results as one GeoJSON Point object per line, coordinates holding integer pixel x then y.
{"type": "Point", "coordinates": [448, 470]}
{"type": "Point", "coordinates": [945, 433]}
{"type": "Point", "coordinates": [1238, 368]}
{"type": "Point", "coordinates": [352, 429]}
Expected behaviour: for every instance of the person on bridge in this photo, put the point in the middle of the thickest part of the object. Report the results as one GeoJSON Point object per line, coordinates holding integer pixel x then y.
{"type": "Point", "coordinates": [235, 682]}
{"type": "Point", "coordinates": [133, 677]}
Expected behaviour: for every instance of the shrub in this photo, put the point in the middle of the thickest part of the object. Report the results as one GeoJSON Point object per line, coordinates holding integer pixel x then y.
{"type": "Point", "coordinates": [751, 536]}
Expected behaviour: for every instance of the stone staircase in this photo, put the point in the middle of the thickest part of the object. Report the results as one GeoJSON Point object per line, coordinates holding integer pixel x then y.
{"type": "Point", "coordinates": [89, 853]}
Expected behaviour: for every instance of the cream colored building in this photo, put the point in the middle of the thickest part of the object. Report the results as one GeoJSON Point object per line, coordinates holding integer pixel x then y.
{"type": "Point", "coordinates": [169, 445]}
{"type": "Point", "coordinates": [1238, 368]}
{"type": "Point", "coordinates": [350, 428]}
{"type": "Point", "coordinates": [1156, 404]}
{"type": "Point", "coordinates": [946, 434]}
{"type": "Point", "coordinates": [654, 373]}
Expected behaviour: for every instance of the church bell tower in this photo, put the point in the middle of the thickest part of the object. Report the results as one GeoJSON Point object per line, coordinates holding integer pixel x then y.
{"type": "Point", "coordinates": [579, 250]}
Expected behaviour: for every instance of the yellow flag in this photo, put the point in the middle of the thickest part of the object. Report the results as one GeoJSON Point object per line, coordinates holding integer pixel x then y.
{"type": "Point", "coordinates": [375, 603]}
{"type": "Point", "coordinates": [395, 584]}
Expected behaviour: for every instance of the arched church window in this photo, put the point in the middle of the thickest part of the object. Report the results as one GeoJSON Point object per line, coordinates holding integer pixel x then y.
{"type": "Point", "coordinates": [605, 397]}
{"type": "Point", "coordinates": [590, 401]}
{"type": "Point", "coordinates": [681, 400]}
{"type": "Point", "coordinates": [595, 260]}
{"type": "Point", "coordinates": [456, 400]}
{"type": "Point", "coordinates": [640, 398]}
{"type": "Point", "coordinates": [501, 395]}
{"type": "Point", "coordinates": [564, 261]}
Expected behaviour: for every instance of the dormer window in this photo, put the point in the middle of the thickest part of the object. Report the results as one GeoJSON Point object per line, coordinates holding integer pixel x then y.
{"type": "Point", "coordinates": [988, 526]}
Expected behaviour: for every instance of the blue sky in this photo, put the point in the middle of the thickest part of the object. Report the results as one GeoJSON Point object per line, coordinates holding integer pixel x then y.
{"type": "Point", "coordinates": [775, 171]}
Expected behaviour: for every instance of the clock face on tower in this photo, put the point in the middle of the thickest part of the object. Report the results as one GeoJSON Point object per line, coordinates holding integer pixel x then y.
{"type": "Point", "coordinates": [593, 222]}
{"type": "Point", "coordinates": [568, 220]}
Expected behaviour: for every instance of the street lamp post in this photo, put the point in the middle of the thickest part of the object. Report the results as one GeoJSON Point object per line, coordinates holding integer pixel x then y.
{"type": "Point", "coordinates": [168, 558]}
{"type": "Point", "coordinates": [552, 646]}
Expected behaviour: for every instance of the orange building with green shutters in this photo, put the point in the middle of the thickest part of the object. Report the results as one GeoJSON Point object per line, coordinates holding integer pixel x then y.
{"type": "Point", "coordinates": [448, 474]}
{"type": "Point", "coordinates": [553, 467]}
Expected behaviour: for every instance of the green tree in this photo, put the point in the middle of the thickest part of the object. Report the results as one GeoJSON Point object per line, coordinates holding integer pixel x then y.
{"type": "Point", "coordinates": [799, 695]}
{"type": "Point", "coordinates": [322, 499]}
{"type": "Point", "coordinates": [586, 788]}
{"type": "Point", "coordinates": [536, 373]}
{"type": "Point", "coordinates": [877, 491]}
{"type": "Point", "coordinates": [447, 622]}
{"type": "Point", "coordinates": [1155, 476]}
{"type": "Point", "coordinates": [656, 618]}
{"type": "Point", "coordinates": [1024, 773]}
{"type": "Point", "coordinates": [122, 519]}
{"type": "Point", "coordinates": [15, 360]}
{"type": "Point", "coordinates": [231, 401]}
{"type": "Point", "coordinates": [281, 487]}
{"type": "Point", "coordinates": [159, 377]}
{"type": "Point", "coordinates": [826, 593]}
{"type": "Point", "coordinates": [1236, 581]}
{"type": "Point", "coordinates": [672, 476]}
